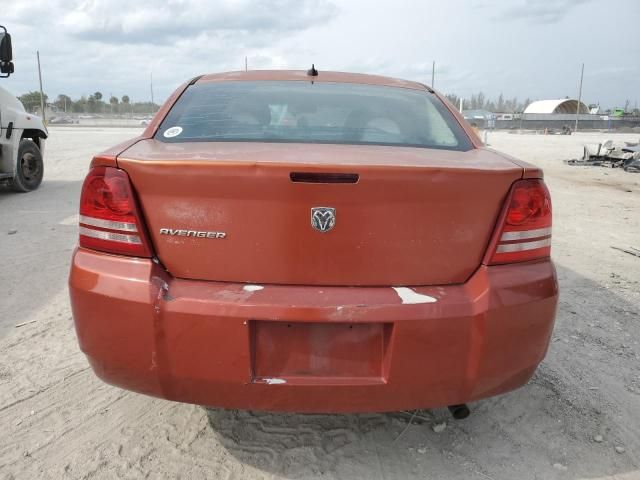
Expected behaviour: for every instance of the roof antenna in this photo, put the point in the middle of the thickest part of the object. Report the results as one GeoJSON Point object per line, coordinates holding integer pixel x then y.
{"type": "Point", "coordinates": [312, 72]}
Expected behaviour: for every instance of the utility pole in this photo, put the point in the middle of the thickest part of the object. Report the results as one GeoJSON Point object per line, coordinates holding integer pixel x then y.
{"type": "Point", "coordinates": [41, 94]}
{"type": "Point", "coordinates": [433, 74]}
{"type": "Point", "coordinates": [579, 98]}
{"type": "Point", "coordinates": [246, 64]}
{"type": "Point", "coordinates": [152, 102]}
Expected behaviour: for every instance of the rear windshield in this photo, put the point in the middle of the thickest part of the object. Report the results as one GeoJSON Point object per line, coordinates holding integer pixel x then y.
{"type": "Point", "coordinates": [305, 112]}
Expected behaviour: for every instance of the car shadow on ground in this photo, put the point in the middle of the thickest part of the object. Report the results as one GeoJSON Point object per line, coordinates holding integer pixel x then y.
{"type": "Point", "coordinates": [38, 232]}
{"type": "Point", "coordinates": [548, 429]}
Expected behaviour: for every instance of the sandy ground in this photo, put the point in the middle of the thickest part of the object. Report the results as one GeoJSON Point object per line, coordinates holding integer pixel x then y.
{"type": "Point", "coordinates": [58, 421]}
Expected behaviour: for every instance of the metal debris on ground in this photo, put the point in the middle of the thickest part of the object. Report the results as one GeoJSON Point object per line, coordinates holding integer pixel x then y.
{"type": "Point", "coordinates": [24, 323]}
{"type": "Point", "coordinates": [634, 251]}
{"type": "Point", "coordinates": [415, 412]}
{"type": "Point", "coordinates": [607, 154]}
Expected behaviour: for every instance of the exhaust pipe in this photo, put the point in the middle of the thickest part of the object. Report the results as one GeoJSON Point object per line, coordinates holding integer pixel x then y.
{"type": "Point", "coordinates": [459, 412]}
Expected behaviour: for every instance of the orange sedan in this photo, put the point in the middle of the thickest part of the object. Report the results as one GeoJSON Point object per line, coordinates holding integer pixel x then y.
{"type": "Point", "coordinates": [313, 242]}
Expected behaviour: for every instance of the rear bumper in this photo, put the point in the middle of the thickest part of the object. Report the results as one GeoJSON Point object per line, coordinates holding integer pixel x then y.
{"type": "Point", "coordinates": [311, 349]}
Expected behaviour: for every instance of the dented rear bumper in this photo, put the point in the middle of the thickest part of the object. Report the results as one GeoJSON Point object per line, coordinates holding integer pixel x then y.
{"type": "Point", "coordinates": [309, 348]}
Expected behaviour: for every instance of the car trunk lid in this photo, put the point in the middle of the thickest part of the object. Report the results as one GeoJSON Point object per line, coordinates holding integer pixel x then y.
{"type": "Point", "coordinates": [242, 212]}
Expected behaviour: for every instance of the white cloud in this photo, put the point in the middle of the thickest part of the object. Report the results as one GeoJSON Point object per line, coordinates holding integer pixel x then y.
{"type": "Point", "coordinates": [118, 21]}
{"type": "Point", "coordinates": [540, 11]}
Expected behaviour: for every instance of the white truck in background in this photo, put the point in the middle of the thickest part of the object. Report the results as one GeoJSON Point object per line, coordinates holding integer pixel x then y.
{"type": "Point", "coordinates": [22, 135]}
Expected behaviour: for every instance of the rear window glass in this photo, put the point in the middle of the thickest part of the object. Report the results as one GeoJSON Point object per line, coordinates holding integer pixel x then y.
{"type": "Point", "coordinates": [305, 112]}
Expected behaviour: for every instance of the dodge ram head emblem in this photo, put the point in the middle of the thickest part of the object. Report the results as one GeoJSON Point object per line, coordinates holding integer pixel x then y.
{"type": "Point", "coordinates": [323, 219]}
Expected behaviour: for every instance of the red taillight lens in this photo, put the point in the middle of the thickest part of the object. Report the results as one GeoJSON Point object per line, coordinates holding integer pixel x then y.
{"type": "Point", "coordinates": [525, 233]}
{"type": "Point", "coordinates": [109, 216]}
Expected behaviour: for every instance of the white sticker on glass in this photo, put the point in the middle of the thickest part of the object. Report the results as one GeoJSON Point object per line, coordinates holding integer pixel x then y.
{"type": "Point", "coordinates": [172, 132]}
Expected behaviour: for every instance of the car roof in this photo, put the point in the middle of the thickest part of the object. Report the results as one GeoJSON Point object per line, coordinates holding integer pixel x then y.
{"type": "Point", "coordinates": [301, 75]}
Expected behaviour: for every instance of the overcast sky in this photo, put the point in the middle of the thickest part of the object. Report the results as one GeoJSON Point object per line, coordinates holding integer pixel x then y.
{"type": "Point", "coordinates": [523, 48]}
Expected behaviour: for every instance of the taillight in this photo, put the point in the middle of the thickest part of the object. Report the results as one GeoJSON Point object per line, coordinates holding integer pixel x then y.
{"type": "Point", "coordinates": [525, 233]}
{"type": "Point", "coordinates": [109, 216]}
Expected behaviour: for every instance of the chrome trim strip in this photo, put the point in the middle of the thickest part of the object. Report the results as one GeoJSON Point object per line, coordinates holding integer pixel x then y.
{"type": "Point", "coordinates": [541, 232]}
{"type": "Point", "coordinates": [518, 247]}
{"type": "Point", "coordinates": [99, 222]}
{"type": "Point", "coordinates": [110, 236]}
